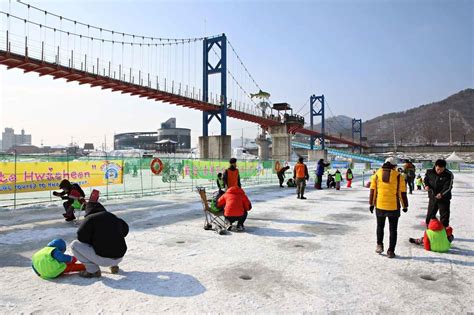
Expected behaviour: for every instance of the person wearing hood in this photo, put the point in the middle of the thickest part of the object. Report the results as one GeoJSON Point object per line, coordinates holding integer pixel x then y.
{"type": "Point", "coordinates": [100, 240]}
{"type": "Point", "coordinates": [50, 262]}
{"type": "Point", "coordinates": [436, 237]}
{"type": "Point", "coordinates": [231, 175]}
{"type": "Point", "coordinates": [439, 183]}
{"type": "Point", "coordinates": [319, 173]}
{"type": "Point", "coordinates": [338, 179]}
{"type": "Point", "coordinates": [74, 196]}
{"type": "Point", "coordinates": [387, 195]}
{"type": "Point", "coordinates": [236, 204]}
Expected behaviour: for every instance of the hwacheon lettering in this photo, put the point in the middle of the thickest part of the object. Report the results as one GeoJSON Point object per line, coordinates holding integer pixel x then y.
{"type": "Point", "coordinates": [32, 176]}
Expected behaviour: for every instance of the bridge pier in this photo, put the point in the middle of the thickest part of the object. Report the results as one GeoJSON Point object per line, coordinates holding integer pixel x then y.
{"type": "Point", "coordinates": [316, 155]}
{"type": "Point", "coordinates": [263, 145]}
{"type": "Point", "coordinates": [281, 142]}
{"type": "Point", "coordinates": [215, 147]}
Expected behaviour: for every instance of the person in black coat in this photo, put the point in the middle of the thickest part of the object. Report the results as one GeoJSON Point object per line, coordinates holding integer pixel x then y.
{"type": "Point", "coordinates": [100, 240]}
{"type": "Point", "coordinates": [439, 183]}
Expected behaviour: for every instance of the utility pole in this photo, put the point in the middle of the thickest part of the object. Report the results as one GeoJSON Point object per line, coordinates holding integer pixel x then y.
{"type": "Point", "coordinates": [394, 136]}
{"type": "Point", "coordinates": [450, 133]}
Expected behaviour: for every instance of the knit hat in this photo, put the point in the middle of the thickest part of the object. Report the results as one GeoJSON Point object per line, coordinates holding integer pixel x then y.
{"type": "Point", "coordinates": [391, 161]}
{"type": "Point", "coordinates": [59, 244]}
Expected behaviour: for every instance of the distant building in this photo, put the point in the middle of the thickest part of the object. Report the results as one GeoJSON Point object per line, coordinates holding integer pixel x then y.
{"type": "Point", "coordinates": [167, 138]}
{"type": "Point", "coordinates": [10, 139]}
{"type": "Point", "coordinates": [182, 136]}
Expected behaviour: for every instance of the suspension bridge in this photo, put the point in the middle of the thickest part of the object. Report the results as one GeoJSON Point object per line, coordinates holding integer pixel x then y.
{"type": "Point", "coordinates": [168, 70]}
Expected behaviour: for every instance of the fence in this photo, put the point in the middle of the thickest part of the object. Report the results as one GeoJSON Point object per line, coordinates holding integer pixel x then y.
{"type": "Point", "coordinates": [30, 179]}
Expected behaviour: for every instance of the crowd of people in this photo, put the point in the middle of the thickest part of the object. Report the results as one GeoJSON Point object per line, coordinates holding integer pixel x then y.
{"type": "Point", "coordinates": [101, 235]}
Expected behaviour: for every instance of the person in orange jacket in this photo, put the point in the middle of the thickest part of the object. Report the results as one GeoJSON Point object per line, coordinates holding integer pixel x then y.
{"type": "Point", "coordinates": [301, 175]}
{"type": "Point", "coordinates": [231, 175]}
{"type": "Point", "coordinates": [236, 204]}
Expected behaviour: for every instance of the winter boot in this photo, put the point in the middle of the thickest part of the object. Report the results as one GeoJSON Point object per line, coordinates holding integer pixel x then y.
{"type": "Point", "coordinates": [85, 274]}
{"type": "Point", "coordinates": [417, 241]}
{"type": "Point", "coordinates": [70, 218]}
{"type": "Point", "coordinates": [298, 197]}
{"type": "Point", "coordinates": [114, 269]}
{"type": "Point", "coordinates": [390, 254]}
{"type": "Point", "coordinates": [379, 249]}
{"type": "Point", "coordinates": [303, 197]}
{"type": "Point", "coordinates": [240, 228]}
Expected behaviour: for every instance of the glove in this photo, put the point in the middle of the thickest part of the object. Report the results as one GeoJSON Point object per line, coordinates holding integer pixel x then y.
{"type": "Point", "coordinates": [55, 193]}
{"type": "Point", "coordinates": [405, 209]}
{"type": "Point", "coordinates": [371, 208]}
{"type": "Point", "coordinates": [74, 260]}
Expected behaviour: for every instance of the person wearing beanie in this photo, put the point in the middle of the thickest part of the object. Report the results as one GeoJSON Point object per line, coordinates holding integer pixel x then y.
{"type": "Point", "coordinates": [301, 175]}
{"type": "Point", "coordinates": [281, 175]}
{"type": "Point", "coordinates": [387, 195]}
{"type": "Point", "coordinates": [349, 177]}
{"type": "Point", "coordinates": [50, 262]}
{"type": "Point", "coordinates": [74, 196]}
{"type": "Point", "coordinates": [100, 240]}
{"type": "Point", "coordinates": [231, 175]}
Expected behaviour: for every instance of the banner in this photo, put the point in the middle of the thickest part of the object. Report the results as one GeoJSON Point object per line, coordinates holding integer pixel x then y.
{"type": "Point", "coordinates": [359, 166]}
{"type": "Point", "coordinates": [41, 176]}
{"type": "Point", "coordinates": [198, 169]}
{"type": "Point", "coordinates": [339, 165]}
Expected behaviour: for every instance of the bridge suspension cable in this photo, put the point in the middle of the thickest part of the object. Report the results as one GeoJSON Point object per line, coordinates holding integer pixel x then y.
{"type": "Point", "coordinates": [108, 30]}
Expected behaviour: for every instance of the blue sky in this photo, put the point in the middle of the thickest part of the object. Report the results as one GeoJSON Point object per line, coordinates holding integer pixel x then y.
{"type": "Point", "coordinates": [367, 57]}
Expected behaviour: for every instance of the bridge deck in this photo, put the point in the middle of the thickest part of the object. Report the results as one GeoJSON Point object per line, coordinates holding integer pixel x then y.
{"type": "Point", "coordinates": [43, 68]}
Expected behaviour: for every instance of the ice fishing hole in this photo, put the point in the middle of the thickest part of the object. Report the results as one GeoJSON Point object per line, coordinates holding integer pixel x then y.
{"type": "Point", "coordinates": [428, 277]}
{"type": "Point", "coordinates": [163, 277]}
{"type": "Point", "coordinates": [180, 242]}
{"type": "Point", "coordinates": [245, 277]}
{"type": "Point", "coordinates": [298, 245]}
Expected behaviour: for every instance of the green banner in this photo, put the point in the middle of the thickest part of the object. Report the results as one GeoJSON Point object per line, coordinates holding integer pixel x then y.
{"type": "Point", "coordinates": [203, 169]}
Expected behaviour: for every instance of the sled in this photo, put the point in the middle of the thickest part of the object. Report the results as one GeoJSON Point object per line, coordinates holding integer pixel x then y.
{"type": "Point", "coordinates": [94, 197]}
{"type": "Point", "coordinates": [212, 220]}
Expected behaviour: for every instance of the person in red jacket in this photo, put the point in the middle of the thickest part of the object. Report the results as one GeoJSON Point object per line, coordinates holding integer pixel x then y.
{"type": "Point", "coordinates": [236, 204]}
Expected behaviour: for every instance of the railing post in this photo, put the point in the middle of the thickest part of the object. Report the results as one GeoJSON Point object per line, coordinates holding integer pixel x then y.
{"type": "Point", "coordinates": [106, 178]}
{"type": "Point", "coordinates": [58, 60]}
{"type": "Point", "coordinates": [26, 46]}
{"type": "Point", "coordinates": [42, 51]}
{"type": "Point", "coordinates": [14, 187]}
{"type": "Point", "coordinates": [72, 59]}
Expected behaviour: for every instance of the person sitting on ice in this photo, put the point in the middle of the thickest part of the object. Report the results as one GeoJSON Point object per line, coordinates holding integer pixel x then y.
{"type": "Point", "coordinates": [100, 240]}
{"type": "Point", "coordinates": [291, 183]}
{"type": "Point", "coordinates": [236, 204]}
{"type": "Point", "coordinates": [74, 196]}
{"type": "Point", "coordinates": [330, 182]}
{"type": "Point", "coordinates": [50, 262]}
{"type": "Point", "coordinates": [436, 237]}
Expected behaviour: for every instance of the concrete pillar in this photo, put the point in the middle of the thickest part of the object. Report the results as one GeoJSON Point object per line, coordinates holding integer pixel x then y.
{"type": "Point", "coordinates": [281, 143]}
{"type": "Point", "coordinates": [263, 145]}
{"type": "Point", "coordinates": [215, 147]}
{"type": "Point", "coordinates": [316, 155]}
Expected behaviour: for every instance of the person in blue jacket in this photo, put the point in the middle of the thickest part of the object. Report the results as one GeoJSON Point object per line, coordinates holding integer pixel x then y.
{"type": "Point", "coordinates": [319, 173]}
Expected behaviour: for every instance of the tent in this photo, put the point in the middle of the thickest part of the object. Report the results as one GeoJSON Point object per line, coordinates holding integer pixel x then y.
{"type": "Point", "coordinates": [453, 158]}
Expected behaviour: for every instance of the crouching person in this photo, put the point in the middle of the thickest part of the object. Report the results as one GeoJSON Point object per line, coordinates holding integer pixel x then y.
{"type": "Point", "coordinates": [436, 237]}
{"type": "Point", "coordinates": [236, 204]}
{"type": "Point", "coordinates": [51, 262]}
{"type": "Point", "coordinates": [100, 241]}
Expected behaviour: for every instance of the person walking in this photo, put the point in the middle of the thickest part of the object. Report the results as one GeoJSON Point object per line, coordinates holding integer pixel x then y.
{"type": "Point", "coordinates": [319, 173]}
{"type": "Point", "coordinates": [439, 183]}
{"type": "Point", "coordinates": [231, 175]}
{"type": "Point", "coordinates": [410, 173]}
{"type": "Point", "coordinates": [349, 177]}
{"type": "Point", "coordinates": [387, 196]}
{"type": "Point", "coordinates": [301, 175]}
